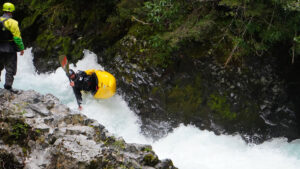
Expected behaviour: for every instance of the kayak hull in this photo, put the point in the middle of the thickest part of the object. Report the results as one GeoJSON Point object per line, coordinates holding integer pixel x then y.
{"type": "Point", "coordinates": [106, 84]}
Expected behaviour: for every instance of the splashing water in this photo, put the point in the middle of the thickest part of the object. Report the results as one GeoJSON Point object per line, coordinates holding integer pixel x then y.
{"type": "Point", "coordinates": [187, 146]}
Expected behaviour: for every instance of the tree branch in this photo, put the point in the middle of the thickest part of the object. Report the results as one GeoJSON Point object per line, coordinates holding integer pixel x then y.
{"type": "Point", "coordinates": [133, 18]}
{"type": "Point", "coordinates": [237, 45]}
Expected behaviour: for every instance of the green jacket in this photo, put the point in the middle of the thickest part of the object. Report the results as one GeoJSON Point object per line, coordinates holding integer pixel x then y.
{"type": "Point", "coordinates": [13, 26]}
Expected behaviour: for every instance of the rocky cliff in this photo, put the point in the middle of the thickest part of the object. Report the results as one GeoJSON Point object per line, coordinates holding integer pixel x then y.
{"type": "Point", "coordinates": [37, 131]}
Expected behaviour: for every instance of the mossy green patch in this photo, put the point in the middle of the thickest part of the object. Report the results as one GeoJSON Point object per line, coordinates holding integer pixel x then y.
{"type": "Point", "coordinates": [219, 106]}
{"type": "Point", "coordinates": [15, 131]}
{"type": "Point", "coordinates": [186, 99]}
{"type": "Point", "coordinates": [150, 159]}
{"type": "Point", "coordinates": [147, 149]}
{"type": "Point", "coordinates": [119, 144]}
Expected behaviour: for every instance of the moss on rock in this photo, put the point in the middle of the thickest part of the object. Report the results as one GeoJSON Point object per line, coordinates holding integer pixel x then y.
{"type": "Point", "coordinates": [9, 161]}
{"type": "Point", "coordinates": [16, 131]}
{"type": "Point", "coordinates": [150, 159]}
{"type": "Point", "coordinates": [219, 105]}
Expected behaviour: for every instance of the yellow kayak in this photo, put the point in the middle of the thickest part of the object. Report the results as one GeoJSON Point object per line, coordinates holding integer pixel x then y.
{"type": "Point", "coordinates": [106, 84]}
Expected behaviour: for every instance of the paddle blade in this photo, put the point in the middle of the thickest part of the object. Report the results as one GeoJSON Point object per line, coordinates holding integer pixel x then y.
{"type": "Point", "coordinates": [64, 62]}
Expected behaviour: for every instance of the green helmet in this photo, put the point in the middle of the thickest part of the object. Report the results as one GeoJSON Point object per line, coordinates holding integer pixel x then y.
{"type": "Point", "coordinates": [8, 7]}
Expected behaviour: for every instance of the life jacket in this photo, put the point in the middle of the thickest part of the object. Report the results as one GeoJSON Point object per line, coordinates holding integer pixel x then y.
{"type": "Point", "coordinates": [86, 82]}
{"type": "Point", "coordinates": [5, 34]}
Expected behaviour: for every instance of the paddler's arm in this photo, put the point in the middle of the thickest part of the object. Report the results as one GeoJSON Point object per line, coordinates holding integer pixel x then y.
{"type": "Point", "coordinates": [78, 97]}
{"type": "Point", "coordinates": [77, 94]}
{"type": "Point", "coordinates": [13, 26]}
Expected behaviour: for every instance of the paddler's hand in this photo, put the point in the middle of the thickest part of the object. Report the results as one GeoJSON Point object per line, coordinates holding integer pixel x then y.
{"type": "Point", "coordinates": [72, 84]}
{"type": "Point", "coordinates": [80, 108]}
{"type": "Point", "coordinates": [22, 52]}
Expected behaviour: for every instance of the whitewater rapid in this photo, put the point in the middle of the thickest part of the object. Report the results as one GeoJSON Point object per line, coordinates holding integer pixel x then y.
{"type": "Point", "coordinates": [187, 146]}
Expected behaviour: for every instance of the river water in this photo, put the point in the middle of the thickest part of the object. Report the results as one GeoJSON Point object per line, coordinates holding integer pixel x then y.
{"type": "Point", "coordinates": [187, 146]}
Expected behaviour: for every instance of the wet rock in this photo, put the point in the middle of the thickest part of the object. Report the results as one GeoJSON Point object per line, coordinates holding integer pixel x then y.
{"type": "Point", "coordinates": [203, 92]}
{"type": "Point", "coordinates": [62, 139]}
{"type": "Point", "coordinates": [40, 108]}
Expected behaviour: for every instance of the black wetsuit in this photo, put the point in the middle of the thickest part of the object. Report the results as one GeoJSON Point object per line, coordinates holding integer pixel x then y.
{"type": "Point", "coordinates": [84, 82]}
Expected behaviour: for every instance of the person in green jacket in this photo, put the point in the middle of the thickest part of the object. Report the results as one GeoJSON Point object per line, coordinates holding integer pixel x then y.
{"type": "Point", "coordinates": [10, 43]}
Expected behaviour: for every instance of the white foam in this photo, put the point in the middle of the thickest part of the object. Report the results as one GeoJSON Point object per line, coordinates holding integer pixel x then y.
{"type": "Point", "coordinates": [190, 147]}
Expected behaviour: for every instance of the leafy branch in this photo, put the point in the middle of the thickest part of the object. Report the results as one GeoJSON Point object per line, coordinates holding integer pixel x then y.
{"type": "Point", "coordinates": [237, 44]}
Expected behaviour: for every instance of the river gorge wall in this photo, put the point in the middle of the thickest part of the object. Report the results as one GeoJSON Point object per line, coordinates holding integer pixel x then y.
{"type": "Point", "coordinates": [216, 64]}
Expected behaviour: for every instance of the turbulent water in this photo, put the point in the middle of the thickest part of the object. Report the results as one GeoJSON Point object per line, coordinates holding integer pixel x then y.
{"type": "Point", "coordinates": [187, 146]}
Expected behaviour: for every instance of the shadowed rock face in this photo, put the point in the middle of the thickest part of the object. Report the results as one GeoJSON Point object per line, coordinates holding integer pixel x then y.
{"type": "Point", "coordinates": [171, 72]}
{"type": "Point", "coordinates": [37, 131]}
{"type": "Point", "coordinates": [252, 100]}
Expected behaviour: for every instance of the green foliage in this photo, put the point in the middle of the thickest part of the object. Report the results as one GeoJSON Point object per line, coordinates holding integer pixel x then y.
{"type": "Point", "coordinates": [297, 39]}
{"type": "Point", "coordinates": [38, 131]}
{"type": "Point", "coordinates": [119, 144]}
{"type": "Point", "coordinates": [241, 28]}
{"type": "Point", "coordinates": [255, 27]}
{"type": "Point", "coordinates": [147, 149]}
{"type": "Point", "coordinates": [232, 3]}
{"type": "Point", "coordinates": [161, 51]}
{"type": "Point", "coordinates": [150, 160]}
{"type": "Point", "coordinates": [127, 8]}
{"type": "Point", "coordinates": [19, 130]}
{"type": "Point", "coordinates": [58, 26]}
{"type": "Point", "coordinates": [47, 41]}
{"type": "Point", "coordinates": [16, 131]}
{"type": "Point", "coordinates": [296, 47]}
{"type": "Point", "coordinates": [162, 12]}
{"type": "Point", "coordinates": [293, 5]}
{"type": "Point", "coordinates": [29, 21]}
{"type": "Point", "coordinates": [23, 112]}
{"type": "Point", "coordinates": [192, 29]}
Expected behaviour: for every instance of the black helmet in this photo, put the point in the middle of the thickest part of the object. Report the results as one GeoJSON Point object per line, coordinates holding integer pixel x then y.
{"type": "Point", "coordinates": [71, 72]}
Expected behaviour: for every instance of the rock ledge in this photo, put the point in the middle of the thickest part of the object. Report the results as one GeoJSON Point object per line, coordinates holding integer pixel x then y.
{"type": "Point", "coordinates": [37, 131]}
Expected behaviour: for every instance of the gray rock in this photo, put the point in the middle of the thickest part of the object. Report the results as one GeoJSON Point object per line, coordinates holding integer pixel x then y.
{"type": "Point", "coordinates": [40, 108]}
{"type": "Point", "coordinates": [53, 136]}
